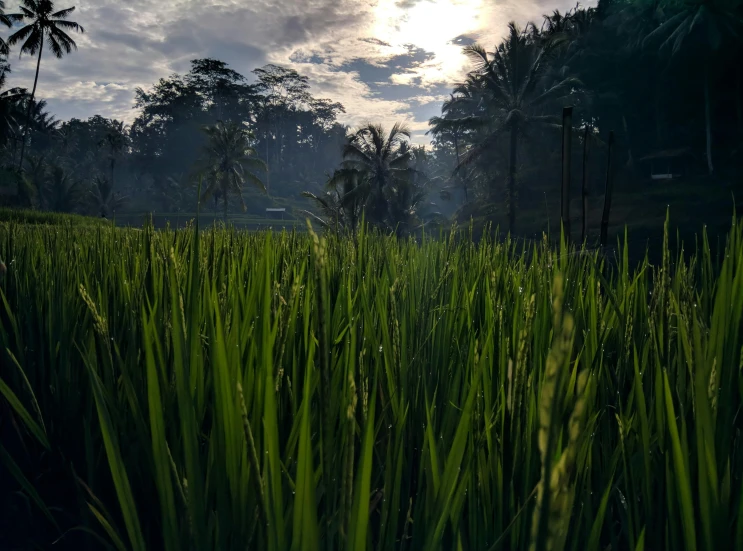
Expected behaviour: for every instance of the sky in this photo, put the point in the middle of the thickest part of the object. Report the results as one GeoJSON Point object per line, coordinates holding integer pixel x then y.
{"type": "Point", "coordinates": [386, 61]}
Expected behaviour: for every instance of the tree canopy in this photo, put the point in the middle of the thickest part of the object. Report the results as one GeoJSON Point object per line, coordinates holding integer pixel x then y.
{"type": "Point", "coordinates": [663, 75]}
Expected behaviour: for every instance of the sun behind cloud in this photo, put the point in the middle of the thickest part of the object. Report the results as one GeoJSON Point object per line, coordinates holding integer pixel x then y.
{"type": "Point", "coordinates": [432, 25]}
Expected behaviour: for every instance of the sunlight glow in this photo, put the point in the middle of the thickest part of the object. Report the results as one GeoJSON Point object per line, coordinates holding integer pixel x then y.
{"type": "Point", "coordinates": [432, 25]}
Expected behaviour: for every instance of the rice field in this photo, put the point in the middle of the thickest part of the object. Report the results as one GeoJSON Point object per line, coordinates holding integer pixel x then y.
{"type": "Point", "coordinates": [220, 389]}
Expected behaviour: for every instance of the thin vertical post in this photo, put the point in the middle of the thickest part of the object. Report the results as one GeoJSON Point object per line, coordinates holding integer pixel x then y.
{"type": "Point", "coordinates": [567, 131]}
{"type": "Point", "coordinates": [584, 190]}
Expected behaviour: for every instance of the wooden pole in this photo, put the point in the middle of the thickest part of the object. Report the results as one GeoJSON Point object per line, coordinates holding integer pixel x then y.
{"type": "Point", "coordinates": [567, 130]}
{"type": "Point", "coordinates": [584, 190]}
{"type": "Point", "coordinates": [607, 193]}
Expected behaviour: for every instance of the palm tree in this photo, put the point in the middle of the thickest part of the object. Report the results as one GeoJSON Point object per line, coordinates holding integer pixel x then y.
{"type": "Point", "coordinates": [229, 162]}
{"type": "Point", "coordinates": [454, 109]}
{"type": "Point", "coordinates": [41, 120]}
{"type": "Point", "coordinates": [378, 178]}
{"type": "Point", "coordinates": [343, 202]}
{"type": "Point", "coordinates": [6, 20]}
{"type": "Point", "coordinates": [35, 174]}
{"type": "Point", "coordinates": [699, 28]}
{"type": "Point", "coordinates": [9, 101]}
{"type": "Point", "coordinates": [103, 199]}
{"type": "Point", "coordinates": [555, 24]}
{"type": "Point", "coordinates": [382, 160]}
{"type": "Point", "coordinates": [115, 141]}
{"type": "Point", "coordinates": [405, 199]}
{"type": "Point", "coordinates": [62, 191]}
{"type": "Point", "coordinates": [171, 190]}
{"type": "Point", "coordinates": [40, 123]}
{"type": "Point", "coordinates": [635, 21]}
{"type": "Point", "coordinates": [45, 25]}
{"type": "Point", "coordinates": [505, 95]}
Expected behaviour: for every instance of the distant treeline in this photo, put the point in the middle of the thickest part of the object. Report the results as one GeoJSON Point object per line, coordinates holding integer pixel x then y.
{"type": "Point", "coordinates": [664, 75]}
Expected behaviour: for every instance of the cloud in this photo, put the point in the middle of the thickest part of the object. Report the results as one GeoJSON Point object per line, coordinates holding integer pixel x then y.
{"type": "Point", "coordinates": [386, 60]}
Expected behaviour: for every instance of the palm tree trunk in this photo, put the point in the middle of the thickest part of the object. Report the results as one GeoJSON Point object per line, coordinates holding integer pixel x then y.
{"type": "Point", "coordinates": [512, 181]}
{"type": "Point", "coordinates": [461, 177]}
{"type": "Point", "coordinates": [708, 121]}
{"type": "Point", "coordinates": [268, 170]}
{"type": "Point", "coordinates": [30, 104]}
{"type": "Point", "coordinates": [381, 204]}
{"type": "Point", "coordinates": [280, 135]}
{"type": "Point", "coordinates": [630, 157]}
{"type": "Point", "coordinates": [658, 119]}
{"type": "Point", "coordinates": [607, 193]}
{"type": "Point", "coordinates": [15, 144]}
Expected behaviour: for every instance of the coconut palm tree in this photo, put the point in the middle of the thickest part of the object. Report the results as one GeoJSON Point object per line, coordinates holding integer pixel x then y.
{"type": "Point", "coordinates": [9, 100]}
{"type": "Point", "coordinates": [171, 190]}
{"type": "Point", "coordinates": [47, 25]}
{"type": "Point", "coordinates": [405, 198]}
{"type": "Point", "coordinates": [103, 199]}
{"type": "Point", "coordinates": [35, 174]}
{"type": "Point", "coordinates": [382, 160]}
{"type": "Point", "coordinates": [229, 162]}
{"type": "Point", "coordinates": [343, 203]}
{"type": "Point", "coordinates": [698, 30]}
{"type": "Point", "coordinates": [378, 178]}
{"type": "Point", "coordinates": [506, 93]}
{"type": "Point", "coordinates": [7, 20]}
{"type": "Point", "coordinates": [41, 120]}
{"type": "Point", "coordinates": [115, 142]}
{"type": "Point", "coordinates": [454, 109]}
{"type": "Point", "coordinates": [62, 191]}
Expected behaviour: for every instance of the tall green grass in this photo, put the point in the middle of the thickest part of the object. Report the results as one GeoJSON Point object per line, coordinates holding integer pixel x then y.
{"type": "Point", "coordinates": [234, 390]}
{"type": "Point", "coordinates": [31, 217]}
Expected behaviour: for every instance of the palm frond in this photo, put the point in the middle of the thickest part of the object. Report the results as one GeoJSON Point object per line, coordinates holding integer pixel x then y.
{"type": "Point", "coordinates": [24, 34]}
{"type": "Point", "coordinates": [68, 25]}
{"type": "Point", "coordinates": [477, 54]}
{"type": "Point", "coordinates": [63, 14]}
{"type": "Point", "coordinates": [316, 218]}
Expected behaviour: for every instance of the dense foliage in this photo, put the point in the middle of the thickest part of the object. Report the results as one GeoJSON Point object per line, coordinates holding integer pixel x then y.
{"type": "Point", "coordinates": [142, 168]}
{"type": "Point", "coordinates": [664, 75]}
{"type": "Point", "coordinates": [231, 390]}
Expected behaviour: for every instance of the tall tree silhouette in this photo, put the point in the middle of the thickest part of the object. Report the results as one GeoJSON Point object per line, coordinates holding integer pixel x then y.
{"type": "Point", "coordinates": [62, 191]}
{"type": "Point", "coordinates": [44, 25]}
{"type": "Point", "coordinates": [102, 197]}
{"type": "Point", "coordinates": [382, 159]}
{"type": "Point", "coordinates": [343, 202]}
{"type": "Point", "coordinates": [697, 30]}
{"type": "Point", "coordinates": [114, 141]}
{"type": "Point", "coordinates": [7, 20]}
{"type": "Point", "coordinates": [505, 94]}
{"type": "Point", "coordinates": [229, 162]}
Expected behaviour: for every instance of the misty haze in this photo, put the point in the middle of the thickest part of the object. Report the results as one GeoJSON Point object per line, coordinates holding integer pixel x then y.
{"type": "Point", "coordinates": [371, 274]}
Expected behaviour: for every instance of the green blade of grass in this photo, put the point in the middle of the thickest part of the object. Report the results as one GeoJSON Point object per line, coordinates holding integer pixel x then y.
{"type": "Point", "coordinates": [115, 462]}
{"type": "Point", "coordinates": [683, 483]}
{"type": "Point", "coordinates": [161, 455]}
{"type": "Point", "coordinates": [305, 532]}
{"type": "Point", "coordinates": [359, 526]}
